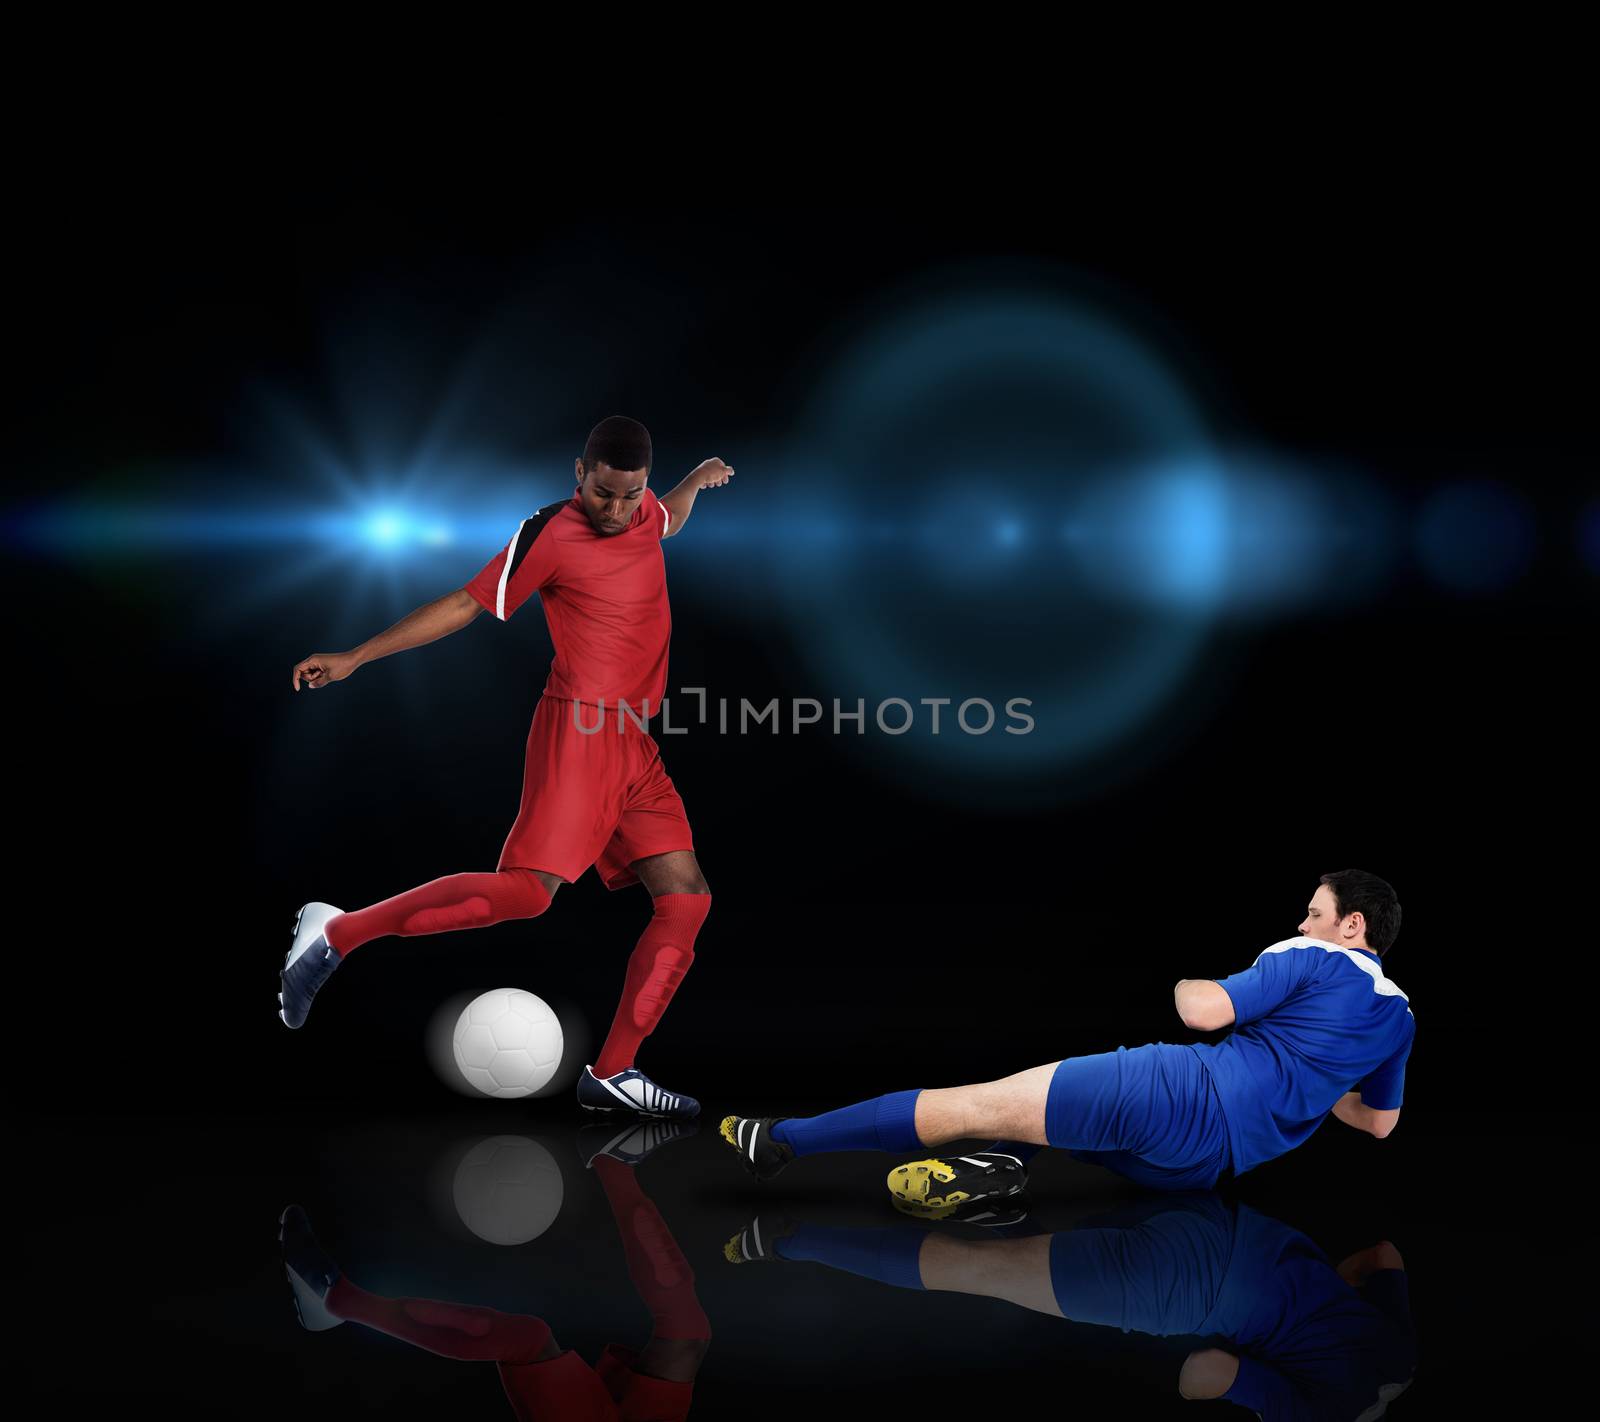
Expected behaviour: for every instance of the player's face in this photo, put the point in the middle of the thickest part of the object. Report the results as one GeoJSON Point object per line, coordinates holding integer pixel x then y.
{"type": "Point", "coordinates": [1322, 917]}
{"type": "Point", "coordinates": [609, 496]}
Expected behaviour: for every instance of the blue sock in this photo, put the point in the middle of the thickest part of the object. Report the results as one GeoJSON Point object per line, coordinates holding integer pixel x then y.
{"type": "Point", "coordinates": [887, 1255]}
{"type": "Point", "coordinates": [1023, 1150]}
{"type": "Point", "coordinates": [883, 1123]}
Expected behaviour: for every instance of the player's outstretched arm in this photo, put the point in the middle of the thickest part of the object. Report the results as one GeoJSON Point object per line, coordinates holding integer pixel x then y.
{"type": "Point", "coordinates": [428, 623]}
{"type": "Point", "coordinates": [710, 474]}
{"type": "Point", "coordinates": [1349, 1109]}
{"type": "Point", "coordinates": [1203, 1004]}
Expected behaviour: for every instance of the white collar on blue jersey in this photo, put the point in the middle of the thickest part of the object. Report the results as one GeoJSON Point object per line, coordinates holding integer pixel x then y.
{"type": "Point", "coordinates": [1364, 958]}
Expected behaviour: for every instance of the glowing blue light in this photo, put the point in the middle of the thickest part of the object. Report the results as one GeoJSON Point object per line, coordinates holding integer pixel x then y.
{"type": "Point", "coordinates": [950, 410]}
{"type": "Point", "coordinates": [1160, 536]}
{"type": "Point", "coordinates": [101, 528]}
{"type": "Point", "coordinates": [392, 528]}
{"type": "Point", "coordinates": [386, 529]}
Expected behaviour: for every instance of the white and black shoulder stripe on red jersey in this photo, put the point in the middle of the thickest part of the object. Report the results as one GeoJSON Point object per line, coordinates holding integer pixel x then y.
{"type": "Point", "coordinates": [522, 543]}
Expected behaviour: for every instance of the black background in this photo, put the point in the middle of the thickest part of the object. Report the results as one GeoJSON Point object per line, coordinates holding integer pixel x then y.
{"type": "Point", "coordinates": [1435, 738]}
{"type": "Point", "coordinates": [863, 937]}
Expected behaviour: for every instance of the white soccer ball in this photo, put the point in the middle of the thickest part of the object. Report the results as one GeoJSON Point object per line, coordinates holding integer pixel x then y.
{"type": "Point", "coordinates": [508, 1042]}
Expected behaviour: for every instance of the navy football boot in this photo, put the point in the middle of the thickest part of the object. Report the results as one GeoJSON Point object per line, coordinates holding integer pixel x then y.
{"type": "Point", "coordinates": [310, 1268]}
{"type": "Point", "coordinates": [631, 1090]}
{"type": "Point", "coordinates": [309, 964]}
{"type": "Point", "coordinates": [634, 1143]}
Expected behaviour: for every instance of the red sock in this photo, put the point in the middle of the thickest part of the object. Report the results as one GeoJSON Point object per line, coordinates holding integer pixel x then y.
{"type": "Point", "coordinates": [656, 1265]}
{"type": "Point", "coordinates": [662, 956]}
{"type": "Point", "coordinates": [451, 1330]}
{"type": "Point", "coordinates": [456, 901]}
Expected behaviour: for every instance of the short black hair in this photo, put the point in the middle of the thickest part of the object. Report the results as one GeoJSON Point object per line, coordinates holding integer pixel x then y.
{"type": "Point", "coordinates": [620, 442]}
{"type": "Point", "coordinates": [1356, 891]}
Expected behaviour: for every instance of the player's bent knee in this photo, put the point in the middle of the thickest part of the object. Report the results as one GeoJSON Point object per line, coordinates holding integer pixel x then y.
{"type": "Point", "coordinates": [675, 872]}
{"type": "Point", "coordinates": [686, 907]}
{"type": "Point", "coordinates": [688, 882]}
{"type": "Point", "coordinates": [528, 892]}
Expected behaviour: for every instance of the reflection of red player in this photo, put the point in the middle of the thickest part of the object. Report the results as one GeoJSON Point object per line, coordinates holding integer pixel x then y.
{"type": "Point", "coordinates": [541, 1378]}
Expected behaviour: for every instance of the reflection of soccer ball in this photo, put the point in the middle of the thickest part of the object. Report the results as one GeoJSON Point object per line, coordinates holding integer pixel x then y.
{"type": "Point", "coordinates": [508, 1189]}
{"type": "Point", "coordinates": [508, 1042]}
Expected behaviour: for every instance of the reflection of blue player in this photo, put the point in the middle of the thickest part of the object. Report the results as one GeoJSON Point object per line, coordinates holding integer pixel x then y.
{"type": "Point", "coordinates": [1287, 1334]}
{"type": "Point", "coordinates": [1318, 1029]}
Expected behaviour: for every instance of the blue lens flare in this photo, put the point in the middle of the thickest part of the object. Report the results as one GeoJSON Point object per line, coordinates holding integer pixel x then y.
{"type": "Point", "coordinates": [995, 491]}
{"type": "Point", "coordinates": [397, 528]}
{"type": "Point", "coordinates": [1155, 536]}
{"type": "Point", "coordinates": [978, 425]}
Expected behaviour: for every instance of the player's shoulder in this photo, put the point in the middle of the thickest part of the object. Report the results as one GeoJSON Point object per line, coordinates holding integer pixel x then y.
{"type": "Point", "coordinates": [653, 511]}
{"type": "Point", "coordinates": [1292, 945]}
{"type": "Point", "coordinates": [539, 537]}
{"type": "Point", "coordinates": [553, 520]}
{"type": "Point", "coordinates": [1350, 966]}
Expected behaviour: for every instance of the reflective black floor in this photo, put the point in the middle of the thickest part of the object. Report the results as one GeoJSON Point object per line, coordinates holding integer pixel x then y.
{"type": "Point", "coordinates": [494, 1263]}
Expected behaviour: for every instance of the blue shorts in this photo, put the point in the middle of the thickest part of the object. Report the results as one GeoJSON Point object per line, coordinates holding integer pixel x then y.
{"type": "Point", "coordinates": [1151, 1114]}
{"type": "Point", "coordinates": [1157, 1267]}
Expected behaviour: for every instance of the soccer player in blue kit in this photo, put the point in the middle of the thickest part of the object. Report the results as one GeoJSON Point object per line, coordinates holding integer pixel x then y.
{"type": "Point", "coordinates": [1318, 1028]}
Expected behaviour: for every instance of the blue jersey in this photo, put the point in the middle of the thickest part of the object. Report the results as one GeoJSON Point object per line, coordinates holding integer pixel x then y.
{"type": "Point", "coordinates": [1309, 1345]}
{"type": "Point", "coordinates": [1311, 1021]}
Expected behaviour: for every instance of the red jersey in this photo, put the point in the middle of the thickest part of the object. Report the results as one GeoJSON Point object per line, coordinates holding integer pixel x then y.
{"type": "Point", "coordinates": [604, 595]}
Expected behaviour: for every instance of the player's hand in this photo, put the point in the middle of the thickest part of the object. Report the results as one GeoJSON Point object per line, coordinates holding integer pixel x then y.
{"type": "Point", "coordinates": [712, 474]}
{"type": "Point", "coordinates": [321, 668]}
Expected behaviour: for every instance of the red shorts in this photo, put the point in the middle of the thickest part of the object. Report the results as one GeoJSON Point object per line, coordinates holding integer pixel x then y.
{"type": "Point", "coordinates": [567, 1389]}
{"type": "Point", "coordinates": [592, 796]}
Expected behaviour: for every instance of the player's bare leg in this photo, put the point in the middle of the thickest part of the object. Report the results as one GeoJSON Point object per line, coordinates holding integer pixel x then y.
{"type": "Point", "coordinates": [680, 900]}
{"type": "Point", "coordinates": [1014, 1269]}
{"type": "Point", "coordinates": [676, 872]}
{"type": "Point", "coordinates": [1017, 1270]}
{"type": "Point", "coordinates": [1011, 1108]}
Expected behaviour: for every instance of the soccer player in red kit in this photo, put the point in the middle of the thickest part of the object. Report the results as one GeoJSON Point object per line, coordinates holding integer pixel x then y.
{"type": "Point", "coordinates": [594, 790]}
